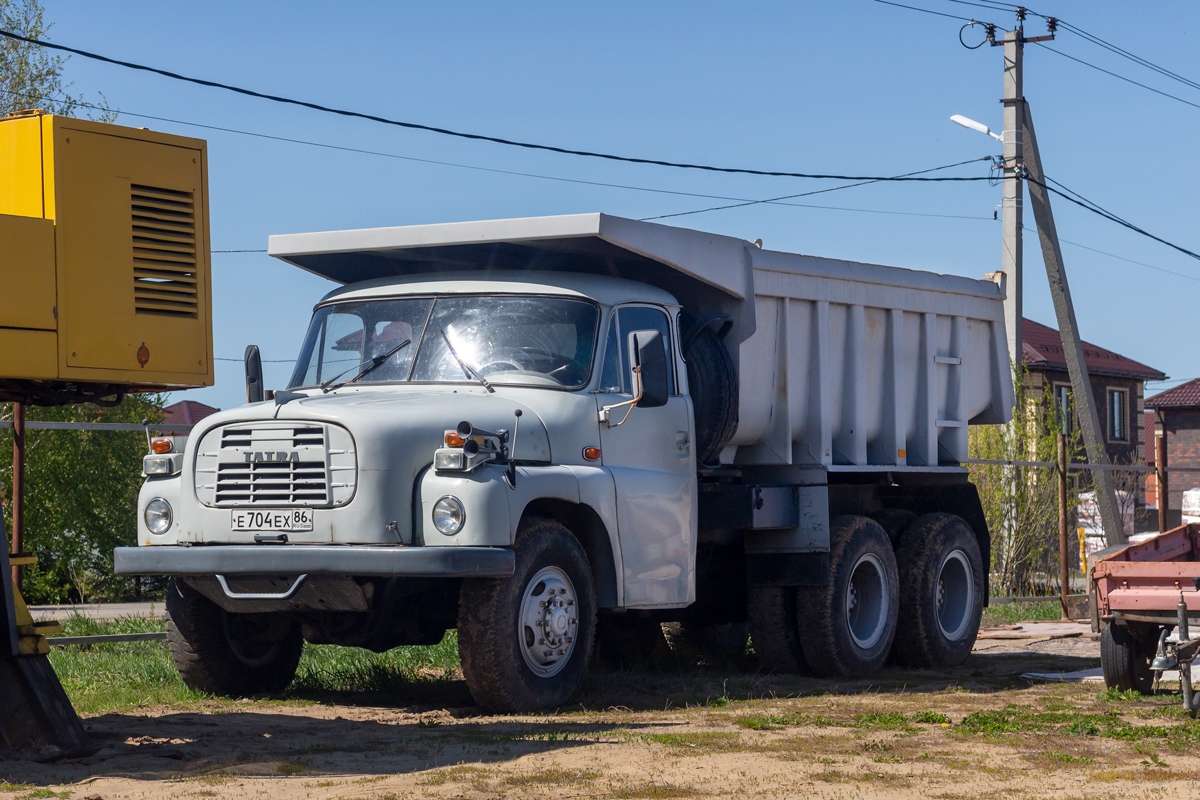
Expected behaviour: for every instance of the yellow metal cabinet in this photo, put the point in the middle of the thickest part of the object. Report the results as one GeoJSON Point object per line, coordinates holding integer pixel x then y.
{"type": "Point", "coordinates": [111, 225]}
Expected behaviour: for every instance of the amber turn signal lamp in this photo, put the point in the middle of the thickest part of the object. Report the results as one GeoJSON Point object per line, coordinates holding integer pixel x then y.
{"type": "Point", "coordinates": [160, 446]}
{"type": "Point", "coordinates": [454, 440]}
{"type": "Point", "coordinates": [591, 453]}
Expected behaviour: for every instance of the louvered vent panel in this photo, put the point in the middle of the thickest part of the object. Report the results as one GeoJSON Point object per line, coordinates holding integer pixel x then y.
{"type": "Point", "coordinates": [164, 252]}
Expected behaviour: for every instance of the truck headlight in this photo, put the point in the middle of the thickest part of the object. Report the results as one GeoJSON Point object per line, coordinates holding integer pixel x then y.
{"type": "Point", "coordinates": [170, 464]}
{"type": "Point", "coordinates": [158, 516]}
{"type": "Point", "coordinates": [449, 460]}
{"type": "Point", "coordinates": [449, 515]}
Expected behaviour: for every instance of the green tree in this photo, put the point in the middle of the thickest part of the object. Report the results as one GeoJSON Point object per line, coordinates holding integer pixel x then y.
{"type": "Point", "coordinates": [81, 491]}
{"type": "Point", "coordinates": [1020, 503]}
{"type": "Point", "coordinates": [31, 76]}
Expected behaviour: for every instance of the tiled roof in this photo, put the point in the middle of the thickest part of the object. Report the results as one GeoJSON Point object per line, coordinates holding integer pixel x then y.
{"type": "Point", "coordinates": [187, 412]}
{"type": "Point", "coordinates": [1185, 394]}
{"type": "Point", "coordinates": [1043, 349]}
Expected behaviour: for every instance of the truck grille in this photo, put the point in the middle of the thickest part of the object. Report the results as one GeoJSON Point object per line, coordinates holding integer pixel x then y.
{"type": "Point", "coordinates": [276, 465]}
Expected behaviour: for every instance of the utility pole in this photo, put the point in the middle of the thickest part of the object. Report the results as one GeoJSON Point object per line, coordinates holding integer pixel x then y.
{"type": "Point", "coordinates": [1014, 128]}
{"type": "Point", "coordinates": [1068, 328]}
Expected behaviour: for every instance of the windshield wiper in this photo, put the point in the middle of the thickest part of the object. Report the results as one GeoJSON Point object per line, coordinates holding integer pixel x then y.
{"type": "Point", "coordinates": [470, 371]}
{"type": "Point", "coordinates": [370, 364]}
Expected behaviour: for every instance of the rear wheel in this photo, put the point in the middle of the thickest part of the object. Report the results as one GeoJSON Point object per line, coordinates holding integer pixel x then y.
{"type": "Point", "coordinates": [229, 654]}
{"type": "Point", "coordinates": [1125, 661]}
{"type": "Point", "coordinates": [941, 591]}
{"type": "Point", "coordinates": [774, 631]}
{"type": "Point", "coordinates": [525, 641]}
{"type": "Point", "coordinates": [847, 626]}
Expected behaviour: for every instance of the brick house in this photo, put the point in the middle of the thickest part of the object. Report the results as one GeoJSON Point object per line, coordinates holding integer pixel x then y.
{"type": "Point", "coordinates": [1179, 411]}
{"type": "Point", "coordinates": [186, 412]}
{"type": "Point", "coordinates": [1118, 384]}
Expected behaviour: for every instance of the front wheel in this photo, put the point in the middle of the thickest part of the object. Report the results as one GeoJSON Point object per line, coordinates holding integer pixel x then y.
{"type": "Point", "coordinates": [229, 654]}
{"type": "Point", "coordinates": [525, 641]}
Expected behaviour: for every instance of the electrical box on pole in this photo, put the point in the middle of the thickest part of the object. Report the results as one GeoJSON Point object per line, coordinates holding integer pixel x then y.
{"type": "Point", "coordinates": [105, 281]}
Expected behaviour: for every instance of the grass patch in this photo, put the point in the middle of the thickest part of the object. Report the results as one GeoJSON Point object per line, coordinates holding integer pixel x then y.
{"type": "Point", "coordinates": [930, 718]}
{"type": "Point", "coordinates": [883, 721]}
{"type": "Point", "coordinates": [651, 789]}
{"type": "Point", "coordinates": [704, 741]}
{"type": "Point", "coordinates": [1010, 613]}
{"type": "Point", "coordinates": [1118, 696]}
{"type": "Point", "coordinates": [552, 776]}
{"type": "Point", "coordinates": [115, 676]}
{"type": "Point", "coordinates": [1110, 725]}
{"type": "Point", "coordinates": [39, 793]}
{"type": "Point", "coordinates": [773, 722]}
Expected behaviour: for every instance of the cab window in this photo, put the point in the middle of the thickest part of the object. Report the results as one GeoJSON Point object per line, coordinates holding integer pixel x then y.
{"type": "Point", "coordinates": [641, 318]}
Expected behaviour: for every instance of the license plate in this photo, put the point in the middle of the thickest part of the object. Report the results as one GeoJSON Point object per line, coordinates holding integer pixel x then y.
{"type": "Point", "coordinates": [297, 519]}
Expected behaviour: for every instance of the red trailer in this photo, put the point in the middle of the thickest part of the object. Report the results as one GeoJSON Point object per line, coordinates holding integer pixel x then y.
{"type": "Point", "coordinates": [1146, 598]}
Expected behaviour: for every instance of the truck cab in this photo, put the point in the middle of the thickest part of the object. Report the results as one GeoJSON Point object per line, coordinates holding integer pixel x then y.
{"type": "Point", "coordinates": [528, 430]}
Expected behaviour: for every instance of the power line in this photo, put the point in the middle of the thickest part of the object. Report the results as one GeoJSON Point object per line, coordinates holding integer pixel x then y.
{"type": "Point", "coordinates": [1118, 77]}
{"type": "Point", "coordinates": [806, 194]}
{"type": "Point", "coordinates": [1083, 202]}
{"type": "Point", "coordinates": [925, 10]}
{"type": "Point", "coordinates": [462, 134]}
{"type": "Point", "coordinates": [1122, 258]}
{"type": "Point", "coordinates": [518, 173]}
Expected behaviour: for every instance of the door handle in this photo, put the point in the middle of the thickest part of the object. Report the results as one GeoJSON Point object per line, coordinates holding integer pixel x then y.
{"type": "Point", "coordinates": [682, 441]}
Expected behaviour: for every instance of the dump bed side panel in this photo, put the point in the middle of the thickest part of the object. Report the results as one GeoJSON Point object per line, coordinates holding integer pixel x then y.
{"type": "Point", "coordinates": [860, 365]}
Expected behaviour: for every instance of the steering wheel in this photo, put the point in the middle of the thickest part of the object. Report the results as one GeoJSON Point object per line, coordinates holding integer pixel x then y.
{"type": "Point", "coordinates": [484, 369]}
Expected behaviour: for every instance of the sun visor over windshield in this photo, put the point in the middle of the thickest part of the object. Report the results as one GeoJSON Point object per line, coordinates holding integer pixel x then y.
{"type": "Point", "coordinates": [707, 273]}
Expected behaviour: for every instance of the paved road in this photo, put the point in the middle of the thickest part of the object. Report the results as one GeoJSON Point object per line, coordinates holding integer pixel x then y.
{"type": "Point", "coordinates": [99, 611]}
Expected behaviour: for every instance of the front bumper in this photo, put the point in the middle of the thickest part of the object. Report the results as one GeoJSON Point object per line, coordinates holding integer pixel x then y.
{"type": "Point", "coordinates": [296, 559]}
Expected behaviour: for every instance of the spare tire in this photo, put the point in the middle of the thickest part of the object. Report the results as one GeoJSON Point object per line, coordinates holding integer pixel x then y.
{"type": "Point", "coordinates": [713, 385]}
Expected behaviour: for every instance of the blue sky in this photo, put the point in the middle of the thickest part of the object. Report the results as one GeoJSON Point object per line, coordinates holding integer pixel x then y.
{"type": "Point", "coordinates": [853, 87]}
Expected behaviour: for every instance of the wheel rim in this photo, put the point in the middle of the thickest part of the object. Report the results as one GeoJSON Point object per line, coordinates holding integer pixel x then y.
{"type": "Point", "coordinates": [867, 601]}
{"type": "Point", "coordinates": [549, 622]}
{"type": "Point", "coordinates": [955, 595]}
{"type": "Point", "coordinates": [247, 645]}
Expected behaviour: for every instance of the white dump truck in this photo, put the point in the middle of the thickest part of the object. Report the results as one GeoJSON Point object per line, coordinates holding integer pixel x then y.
{"type": "Point", "coordinates": [549, 431]}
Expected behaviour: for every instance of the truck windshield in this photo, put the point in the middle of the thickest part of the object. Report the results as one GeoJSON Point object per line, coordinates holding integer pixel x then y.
{"type": "Point", "coordinates": [513, 340]}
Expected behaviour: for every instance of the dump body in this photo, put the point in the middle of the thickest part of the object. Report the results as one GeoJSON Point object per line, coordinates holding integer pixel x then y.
{"type": "Point", "coordinates": [858, 365]}
{"type": "Point", "coordinates": [842, 364]}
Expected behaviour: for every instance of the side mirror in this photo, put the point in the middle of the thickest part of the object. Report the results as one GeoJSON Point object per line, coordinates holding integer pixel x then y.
{"type": "Point", "coordinates": [254, 375]}
{"type": "Point", "coordinates": [652, 359]}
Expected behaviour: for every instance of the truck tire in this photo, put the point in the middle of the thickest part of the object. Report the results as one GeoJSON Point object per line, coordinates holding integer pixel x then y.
{"type": "Point", "coordinates": [229, 654]}
{"type": "Point", "coordinates": [510, 662]}
{"type": "Point", "coordinates": [774, 631]}
{"type": "Point", "coordinates": [941, 591]}
{"type": "Point", "coordinates": [1125, 661]}
{"type": "Point", "coordinates": [847, 626]}
{"type": "Point", "coordinates": [713, 385]}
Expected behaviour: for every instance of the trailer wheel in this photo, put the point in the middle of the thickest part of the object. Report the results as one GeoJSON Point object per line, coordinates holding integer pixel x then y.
{"type": "Point", "coordinates": [847, 626]}
{"type": "Point", "coordinates": [1125, 661]}
{"type": "Point", "coordinates": [229, 654]}
{"type": "Point", "coordinates": [525, 641]}
{"type": "Point", "coordinates": [941, 591]}
{"type": "Point", "coordinates": [713, 386]}
{"type": "Point", "coordinates": [774, 631]}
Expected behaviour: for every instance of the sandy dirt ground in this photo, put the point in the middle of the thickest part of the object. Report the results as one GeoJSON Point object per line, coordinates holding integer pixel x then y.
{"type": "Point", "coordinates": [641, 734]}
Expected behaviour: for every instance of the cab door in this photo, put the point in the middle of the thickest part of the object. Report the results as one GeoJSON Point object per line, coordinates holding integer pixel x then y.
{"type": "Point", "coordinates": [652, 461]}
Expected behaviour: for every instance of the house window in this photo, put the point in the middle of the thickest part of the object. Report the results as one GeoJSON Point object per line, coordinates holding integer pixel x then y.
{"type": "Point", "coordinates": [1062, 399]}
{"type": "Point", "coordinates": [1118, 413]}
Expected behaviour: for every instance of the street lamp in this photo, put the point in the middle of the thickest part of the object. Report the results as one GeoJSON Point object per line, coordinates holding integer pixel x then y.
{"type": "Point", "coordinates": [976, 126]}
